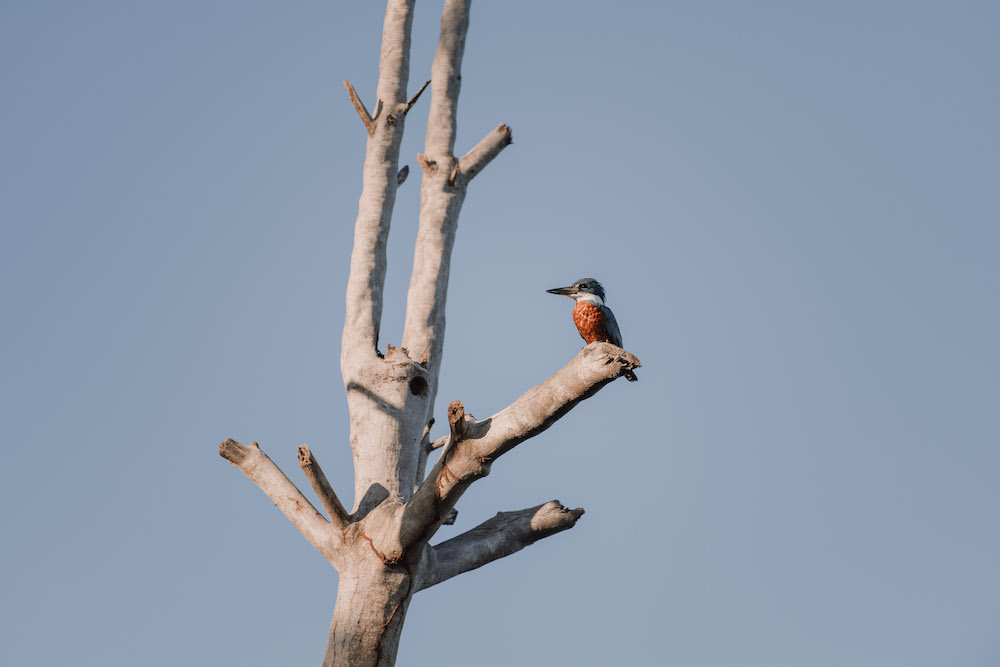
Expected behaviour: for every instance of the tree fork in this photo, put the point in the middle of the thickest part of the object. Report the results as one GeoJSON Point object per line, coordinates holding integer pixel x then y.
{"type": "Point", "coordinates": [381, 548]}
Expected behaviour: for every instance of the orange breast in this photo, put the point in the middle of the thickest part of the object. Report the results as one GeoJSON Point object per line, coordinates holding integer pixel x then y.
{"type": "Point", "coordinates": [589, 321]}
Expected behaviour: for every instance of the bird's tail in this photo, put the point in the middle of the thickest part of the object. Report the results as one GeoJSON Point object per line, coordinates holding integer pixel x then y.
{"type": "Point", "coordinates": [630, 376]}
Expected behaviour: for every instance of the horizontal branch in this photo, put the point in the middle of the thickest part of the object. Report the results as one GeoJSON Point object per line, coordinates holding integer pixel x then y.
{"type": "Point", "coordinates": [262, 471]}
{"type": "Point", "coordinates": [470, 456]}
{"type": "Point", "coordinates": [504, 534]}
{"type": "Point", "coordinates": [483, 153]}
{"type": "Point", "coordinates": [321, 485]}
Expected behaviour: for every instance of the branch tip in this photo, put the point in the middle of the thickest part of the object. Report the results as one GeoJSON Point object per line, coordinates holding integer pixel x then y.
{"type": "Point", "coordinates": [500, 536]}
{"type": "Point", "coordinates": [233, 451]}
{"type": "Point", "coordinates": [425, 437]}
{"type": "Point", "coordinates": [483, 153]}
{"type": "Point", "coordinates": [456, 419]}
{"type": "Point", "coordinates": [359, 106]}
{"type": "Point", "coordinates": [305, 456]}
{"type": "Point", "coordinates": [425, 162]}
{"type": "Point", "coordinates": [416, 95]}
{"type": "Point", "coordinates": [321, 485]}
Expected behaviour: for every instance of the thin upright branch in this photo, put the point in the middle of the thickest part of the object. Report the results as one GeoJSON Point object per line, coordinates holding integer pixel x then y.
{"type": "Point", "coordinates": [442, 192]}
{"type": "Point", "coordinates": [378, 195]}
{"type": "Point", "coordinates": [456, 420]}
{"type": "Point", "coordinates": [423, 331]}
{"type": "Point", "coordinates": [501, 536]}
{"type": "Point", "coordinates": [446, 73]}
{"type": "Point", "coordinates": [321, 485]}
{"type": "Point", "coordinates": [262, 471]}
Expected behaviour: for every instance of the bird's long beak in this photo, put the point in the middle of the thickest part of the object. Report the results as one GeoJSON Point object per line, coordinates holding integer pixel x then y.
{"type": "Point", "coordinates": [564, 291]}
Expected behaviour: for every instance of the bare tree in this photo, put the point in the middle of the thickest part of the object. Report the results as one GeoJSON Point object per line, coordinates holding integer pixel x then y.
{"type": "Point", "coordinates": [382, 547]}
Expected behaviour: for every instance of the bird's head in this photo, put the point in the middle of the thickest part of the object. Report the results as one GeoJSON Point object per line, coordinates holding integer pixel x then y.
{"type": "Point", "coordinates": [584, 289]}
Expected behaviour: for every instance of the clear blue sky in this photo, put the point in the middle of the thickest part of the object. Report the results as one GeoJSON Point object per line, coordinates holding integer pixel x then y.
{"type": "Point", "coordinates": [794, 208]}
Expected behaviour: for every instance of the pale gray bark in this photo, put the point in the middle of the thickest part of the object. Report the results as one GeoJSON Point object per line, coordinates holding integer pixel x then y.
{"type": "Point", "coordinates": [381, 548]}
{"type": "Point", "coordinates": [442, 194]}
{"type": "Point", "coordinates": [504, 534]}
{"type": "Point", "coordinates": [260, 469]}
{"type": "Point", "coordinates": [384, 421]}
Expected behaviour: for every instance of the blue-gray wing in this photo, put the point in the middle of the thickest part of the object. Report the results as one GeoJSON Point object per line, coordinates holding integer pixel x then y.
{"type": "Point", "coordinates": [612, 326]}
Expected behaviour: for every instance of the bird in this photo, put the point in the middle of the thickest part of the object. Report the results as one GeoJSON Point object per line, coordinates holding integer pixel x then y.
{"type": "Point", "coordinates": [592, 318]}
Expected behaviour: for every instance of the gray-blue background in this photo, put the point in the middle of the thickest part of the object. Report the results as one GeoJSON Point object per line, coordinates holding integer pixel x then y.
{"type": "Point", "coordinates": [793, 207]}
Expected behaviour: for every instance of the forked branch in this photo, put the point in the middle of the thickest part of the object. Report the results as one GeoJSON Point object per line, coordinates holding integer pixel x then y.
{"type": "Point", "coordinates": [504, 534]}
{"type": "Point", "coordinates": [470, 456]}
{"type": "Point", "coordinates": [262, 471]}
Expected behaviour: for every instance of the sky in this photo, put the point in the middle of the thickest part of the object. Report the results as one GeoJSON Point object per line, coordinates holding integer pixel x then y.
{"type": "Point", "coordinates": [793, 208]}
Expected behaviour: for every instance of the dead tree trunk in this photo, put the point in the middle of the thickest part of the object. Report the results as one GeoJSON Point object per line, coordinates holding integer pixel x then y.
{"type": "Point", "coordinates": [382, 547]}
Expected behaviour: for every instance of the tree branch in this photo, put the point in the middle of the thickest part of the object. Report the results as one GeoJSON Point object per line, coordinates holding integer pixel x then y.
{"type": "Point", "coordinates": [359, 106]}
{"type": "Point", "coordinates": [470, 456]}
{"type": "Point", "coordinates": [416, 96]}
{"type": "Point", "coordinates": [378, 194]}
{"type": "Point", "coordinates": [504, 534]}
{"type": "Point", "coordinates": [483, 153]}
{"type": "Point", "coordinates": [446, 73]}
{"type": "Point", "coordinates": [262, 471]}
{"type": "Point", "coordinates": [440, 202]}
{"type": "Point", "coordinates": [425, 449]}
{"type": "Point", "coordinates": [456, 420]}
{"type": "Point", "coordinates": [321, 485]}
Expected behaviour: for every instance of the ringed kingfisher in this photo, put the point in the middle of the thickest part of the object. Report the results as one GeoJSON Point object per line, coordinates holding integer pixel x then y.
{"type": "Point", "coordinates": [592, 318]}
